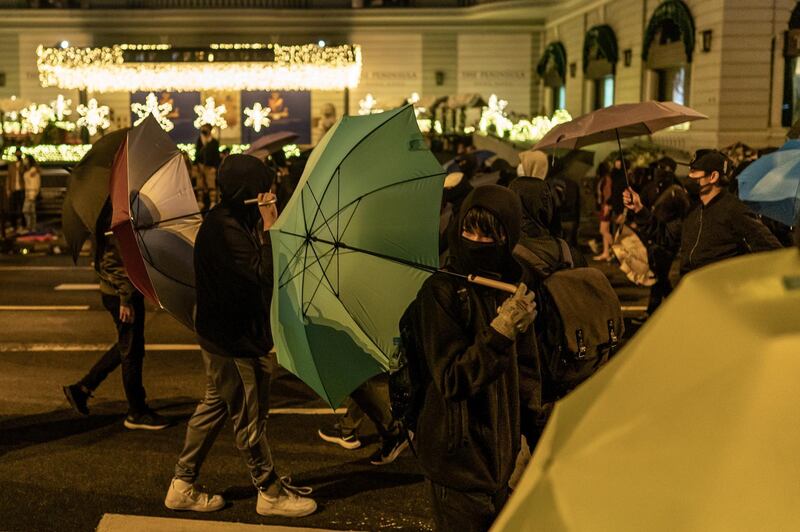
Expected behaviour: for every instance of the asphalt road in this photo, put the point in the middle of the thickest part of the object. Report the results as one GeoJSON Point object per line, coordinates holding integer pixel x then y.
{"type": "Point", "coordinates": [60, 471]}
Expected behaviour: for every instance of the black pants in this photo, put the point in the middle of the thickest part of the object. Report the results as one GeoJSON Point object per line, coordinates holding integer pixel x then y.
{"type": "Point", "coordinates": [128, 351]}
{"type": "Point", "coordinates": [461, 511]}
{"type": "Point", "coordinates": [16, 199]}
{"type": "Point", "coordinates": [663, 286]}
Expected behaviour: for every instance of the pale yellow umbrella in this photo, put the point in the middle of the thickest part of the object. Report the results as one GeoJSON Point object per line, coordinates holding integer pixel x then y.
{"type": "Point", "coordinates": [694, 425]}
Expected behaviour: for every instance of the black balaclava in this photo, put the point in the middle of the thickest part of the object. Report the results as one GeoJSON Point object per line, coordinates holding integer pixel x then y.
{"type": "Point", "coordinates": [490, 259]}
{"type": "Point", "coordinates": [242, 177]}
{"type": "Point", "coordinates": [538, 207]}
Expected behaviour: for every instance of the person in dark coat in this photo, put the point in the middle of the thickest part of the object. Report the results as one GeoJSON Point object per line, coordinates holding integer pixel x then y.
{"type": "Point", "coordinates": [618, 185]}
{"type": "Point", "coordinates": [668, 201]}
{"type": "Point", "coordinates": [720, 226]}
{"type": "Point", "coordinates": [207, 160]}
{"type": "Point", "coordinates": [468, 433]}
{"type": "Point", "coordinates": [234, 283]}
{"type": "Point", "coordinates": [126, 306]}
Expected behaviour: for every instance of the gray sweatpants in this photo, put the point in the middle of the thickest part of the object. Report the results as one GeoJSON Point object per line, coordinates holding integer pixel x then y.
{"type": "Point", "coordinates": [238, 387]}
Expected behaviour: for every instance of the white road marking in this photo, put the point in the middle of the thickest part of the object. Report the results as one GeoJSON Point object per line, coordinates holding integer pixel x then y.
{"type": "Point", "coordinates": [75, 286]}
{"type": "Point", "coordinates": [634, 308]}
{"type": "Point", "coordinates": [44, 307]}
{"type": "Point", "coordinates": [41, 268]}
{"type": "Point", "coordinates": [56, 347]}
{"type": "Point", "coordinates": [126, 523]}
{"type": "Point", "coordinates": [307, 411]}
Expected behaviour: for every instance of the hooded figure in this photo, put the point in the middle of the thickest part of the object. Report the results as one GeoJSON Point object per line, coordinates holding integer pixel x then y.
{"type": "Point", "coordinates": [468, 430]}
{"type": "Point", "coordinates": [233, 301]}
{"type": "Point", "coordinates": [533, 164]}
{"type": "Point", "coordinates": [233, 273]}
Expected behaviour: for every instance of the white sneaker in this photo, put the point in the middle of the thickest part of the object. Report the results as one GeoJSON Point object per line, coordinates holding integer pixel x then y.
{"type": "Point", "coordinates": [184, 496]}
{"type": "Point", "coordinates": [287, 503]}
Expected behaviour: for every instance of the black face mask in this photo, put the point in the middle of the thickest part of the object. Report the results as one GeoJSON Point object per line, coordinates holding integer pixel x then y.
{"type": "Point", "coordinates": [484, 257]}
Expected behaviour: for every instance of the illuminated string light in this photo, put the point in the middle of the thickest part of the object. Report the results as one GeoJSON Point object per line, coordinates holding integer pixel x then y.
{"type": "Point", "coordinates": [291, 150]}
{"type": "Point", "coordinates": [61, 107]}
{"type": "Point", "coordinates": [66, 153]}
{"type": "Point", "coordinates": [93, 117]}
{"type": "Point", "coordinates": [257, 117]}
{"type": "Point", "coordinates": [368, 105]}
{"type": "Point", "coordinates": [209, 114]}
{"type": "Point", "coordinates": [36, 117]}
{"type": "Point", "coordinates": [300, 67]}
{"type": "Point", "coordinates": [495, 121]}
{"type": "Point", "coordinates": [72, 153]}
{"type": "Point", "coordinates": [158, 110]}
{"type": "Point", "coordinates": [12, 124]}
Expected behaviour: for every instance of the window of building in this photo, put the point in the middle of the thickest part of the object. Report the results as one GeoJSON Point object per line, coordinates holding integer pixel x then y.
{"type": "Point", "coordinates": [600, 55]}
{"type": "Point", "coordinates": [673, 84]}
{"type": "Point", "coordinates": [603, 92]}
{"type": "Point", "coordinates": [791, 77]}
{"type": "Point", "coordinates": [667, 51]}
{"type": "Point", "coordinates": [559, 97]}
{"type": "Point", "coordinates": [552, 69]}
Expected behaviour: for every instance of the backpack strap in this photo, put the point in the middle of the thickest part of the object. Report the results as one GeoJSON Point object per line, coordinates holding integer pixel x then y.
{"type": "Point", "coordinates": [566, 253]}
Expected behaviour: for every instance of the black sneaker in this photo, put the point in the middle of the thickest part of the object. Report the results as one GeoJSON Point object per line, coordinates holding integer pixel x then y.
{"type": "Point", "coordinates": [77, 398]}
{"type": "Point", "coordinates": [147, 420]}
{"type": "Point", "coordinates": [391, 449]}
{"type": "Point", "coordinates": [337, 436]}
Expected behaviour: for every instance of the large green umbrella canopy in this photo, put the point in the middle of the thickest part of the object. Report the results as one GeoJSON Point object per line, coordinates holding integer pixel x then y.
{"type": "Point", "coordinates": [692, 426]}
{"type": "Point", "coordinates": [352, 248]}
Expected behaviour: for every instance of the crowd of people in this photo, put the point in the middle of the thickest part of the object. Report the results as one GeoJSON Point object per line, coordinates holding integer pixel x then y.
{"type": "Point", "coordinates": [489, 364]}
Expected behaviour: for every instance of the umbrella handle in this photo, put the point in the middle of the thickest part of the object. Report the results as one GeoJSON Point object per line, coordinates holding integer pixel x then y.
{"type": "Point", "coordinates": [491, 283]}
{"type": "Point", "coordinates": [254, 201]}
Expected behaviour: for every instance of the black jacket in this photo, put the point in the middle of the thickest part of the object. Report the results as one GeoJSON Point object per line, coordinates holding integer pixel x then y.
{"type": "Point", "coordinates": [233, 269]}
{"type": "Point", "coordinates": [468, 430]}
{"type": "Point", "coordinates": [207, 154]}
{"type": "Point", "coordinates": [709, 233]}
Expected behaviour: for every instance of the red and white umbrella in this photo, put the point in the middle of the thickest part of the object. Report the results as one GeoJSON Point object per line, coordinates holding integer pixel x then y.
{"type": "Point", "coordinates": [155, 218]}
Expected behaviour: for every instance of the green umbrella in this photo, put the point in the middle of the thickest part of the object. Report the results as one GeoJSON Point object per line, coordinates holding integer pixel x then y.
{"type": "Point", "coordinates": [352, 248]}
{"type": "Point", "coordinates": [692, 426]}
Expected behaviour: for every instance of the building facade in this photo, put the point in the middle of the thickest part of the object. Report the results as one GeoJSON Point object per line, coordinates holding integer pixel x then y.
{"type": "Point", "coordinates": [734, 60]}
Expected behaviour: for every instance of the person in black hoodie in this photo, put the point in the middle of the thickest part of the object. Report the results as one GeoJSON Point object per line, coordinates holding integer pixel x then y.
{"type": "Point", "coordinates": [717, 228]}
{"type": "Point", "coordinates": [468, 428]}
{"type": "Point", "coordinates": [234, 282]}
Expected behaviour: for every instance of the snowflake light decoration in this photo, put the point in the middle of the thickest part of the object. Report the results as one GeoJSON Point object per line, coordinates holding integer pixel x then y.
{"type": "Point", "coordinates": [158, 110]}
{"type": "Point", "coordinates": [257, 116]}
{"type": "Point", "coordinates": [368, 105]}
{"type": "Point", "coordinates": [62, 107]}
{"type": "Point", "coordinates": [211, 114]}
{"type": "Point", "coordinates": [35, 117]}
{"type": "Point", "coordinates": [93, 117]}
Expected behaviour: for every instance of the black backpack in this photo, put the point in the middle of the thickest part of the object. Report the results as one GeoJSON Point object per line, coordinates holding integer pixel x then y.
{"type": "Point", "coordinates": [581, 318]}
{"type": "Point", "coordinates": [409, 376]}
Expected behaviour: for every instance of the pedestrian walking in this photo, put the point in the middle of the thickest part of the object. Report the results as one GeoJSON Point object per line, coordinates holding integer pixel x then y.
{"type": "Point", "coordinates": [15, 190]}
{"type": "Point", "coordinates": [33, 184]}
{"type": "Point", "coordinates": [126, 306]}
{"type": "Point", "coordinates": [603, 196]}
{"type": "Point", "coordinates": [470, 336]}
{"type": "Point", "coordinates": [718, 227]}
{"type": "Point", "coordinates": [207, 160]}
{"type": "Point", "coordinates": [234, 284]}
{"type": "Point", "coordinates": [370, 400]}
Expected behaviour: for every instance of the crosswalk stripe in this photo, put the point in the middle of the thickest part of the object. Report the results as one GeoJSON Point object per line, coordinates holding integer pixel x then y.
{"type": "Point", "coordinates": [43, 307]}
{"type": "Point", "coordinates": [41, 268]}
{"type": "Point", "coordinates": [125, 523]}
{"type": "Point", "coordinates": [75, 287]}
{"type": "Point", "coordinates": [634, 308]}
{"type": "Point", "coordinates": [61, 347]}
